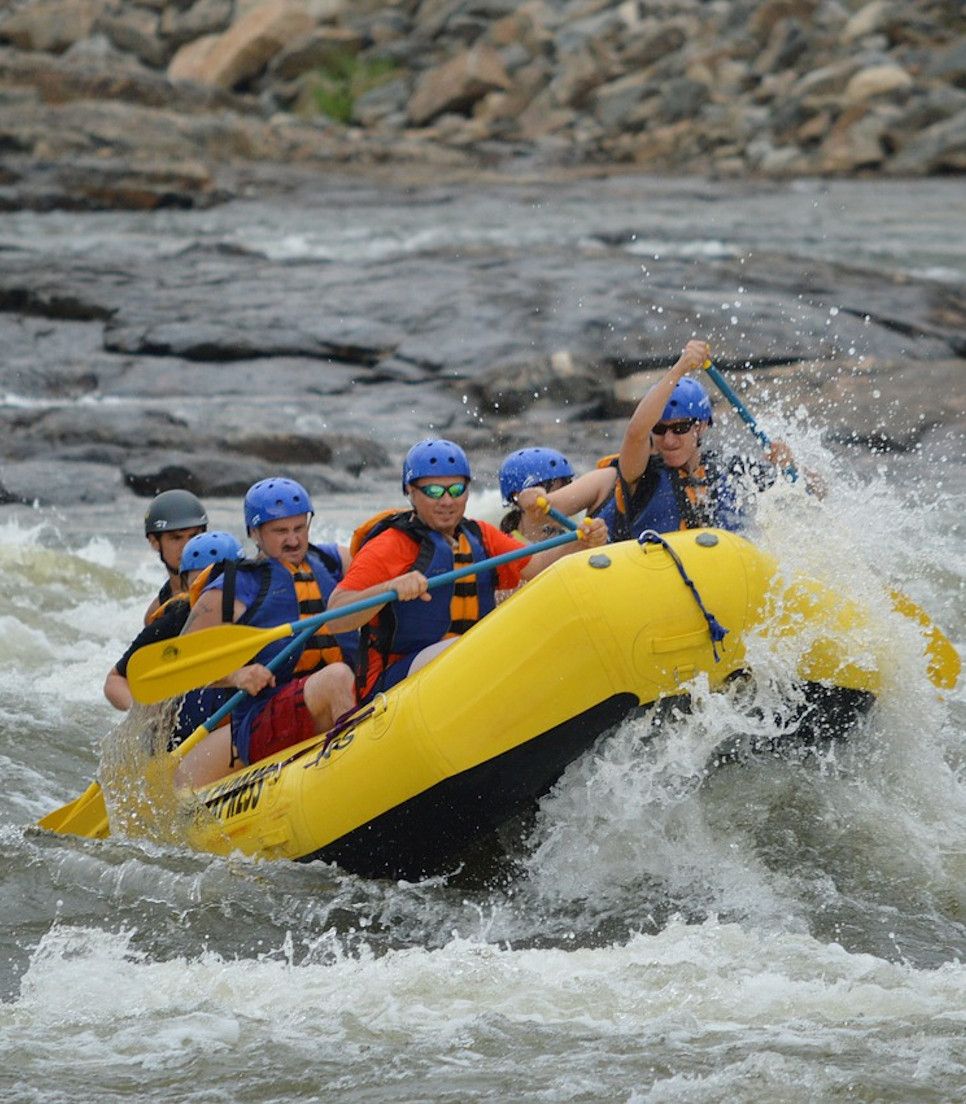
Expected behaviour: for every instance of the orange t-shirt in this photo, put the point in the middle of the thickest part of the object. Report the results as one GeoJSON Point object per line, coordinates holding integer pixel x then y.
{"type": "Point", "coordinates": [393, 553]}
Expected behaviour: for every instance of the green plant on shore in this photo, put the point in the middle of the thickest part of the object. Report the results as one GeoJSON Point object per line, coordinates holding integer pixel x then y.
{"type": "Point", "coordinates": [343, 78]}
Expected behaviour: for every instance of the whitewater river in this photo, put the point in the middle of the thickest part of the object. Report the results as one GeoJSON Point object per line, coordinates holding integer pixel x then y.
{"type": "Point", "coordinates": [780, 931]}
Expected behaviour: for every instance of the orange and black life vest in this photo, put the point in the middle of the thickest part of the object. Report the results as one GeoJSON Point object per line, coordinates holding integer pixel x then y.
{"type": "Point", "coordinates": [400, 629]}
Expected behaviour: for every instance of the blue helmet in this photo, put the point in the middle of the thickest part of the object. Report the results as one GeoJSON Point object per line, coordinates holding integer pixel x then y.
{"type": "Point", "coordinates": [273, 499]}
{"type": "Point", "coordinates": [532, 467]}
{"type": "Point", "coordinates": [210, 548]}
{"type": "Point", "coordinates": [688, 400]}
{"type": "Point", "coordinates": [434, 456]}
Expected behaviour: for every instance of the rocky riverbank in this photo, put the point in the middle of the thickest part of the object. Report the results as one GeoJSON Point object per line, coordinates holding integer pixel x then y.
{"type": "Point", "coordinates": [145, 103]}
{"type": "Point", "coordinates": [322, 330]}
{"type": "Point", "coordinates": [336, 226]}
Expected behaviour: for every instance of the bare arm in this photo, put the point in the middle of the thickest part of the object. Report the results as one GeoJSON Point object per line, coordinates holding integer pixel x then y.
{"type": "Point", "coordinates": [117, 691]}
{"type": "Point", "coordinates": [587, 492]}
{"type": "Point", "coordinates": [206, 612]}
{"type": "Point", "coordinates": [636, 446]}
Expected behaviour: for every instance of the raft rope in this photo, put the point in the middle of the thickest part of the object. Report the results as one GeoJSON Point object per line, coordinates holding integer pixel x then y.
{"type": "Point", "coordinates": [715, 628]}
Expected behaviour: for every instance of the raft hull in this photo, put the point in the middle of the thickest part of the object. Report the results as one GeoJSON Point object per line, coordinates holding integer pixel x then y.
{"type": "Point", "coordinates": [488, 726]}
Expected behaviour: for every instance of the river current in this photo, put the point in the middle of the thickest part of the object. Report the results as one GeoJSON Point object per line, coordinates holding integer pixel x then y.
{"type": "Point", "coordinates": [783, 930]}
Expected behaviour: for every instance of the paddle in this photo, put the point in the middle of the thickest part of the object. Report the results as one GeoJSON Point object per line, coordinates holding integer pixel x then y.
{"type": "Point", "coordinates": [557, 516]}
{"type": "Point", "coordinates": [944, 661]}
{"type": "Point", "coordinates": [744, 413]}
{"type": "Point", "coordinates": [172, 667]}
{"type": "Point", "coordinates": [87, 815]}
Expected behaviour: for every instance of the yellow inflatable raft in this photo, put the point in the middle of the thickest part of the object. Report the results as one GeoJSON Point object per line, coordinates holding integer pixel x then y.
{"type": "Point", "coordinates": [489, 725]}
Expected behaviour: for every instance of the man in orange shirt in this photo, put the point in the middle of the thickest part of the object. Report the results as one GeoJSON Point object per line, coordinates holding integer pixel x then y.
{"type": "Point", "coordinates": [404, 549]}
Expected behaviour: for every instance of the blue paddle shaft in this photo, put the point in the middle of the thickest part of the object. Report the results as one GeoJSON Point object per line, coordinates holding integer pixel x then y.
{"type": "Point", "coordinates": [561, 519]}
{"type": "Point", "coordinates": [745, 414]}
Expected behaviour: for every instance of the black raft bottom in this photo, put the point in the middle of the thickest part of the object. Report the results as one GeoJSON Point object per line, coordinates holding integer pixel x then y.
{"type": "Point", "coordinates": [430, 833]}
{"type": "Point", "coordinates": [439, 829]}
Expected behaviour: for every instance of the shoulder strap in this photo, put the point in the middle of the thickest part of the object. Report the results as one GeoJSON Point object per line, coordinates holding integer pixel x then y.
{"type": "Point", "coordinates": [405, 521]}
{"type": "Point", "coordinates": [332, 563]}
{"type": "Point", "coordinates": [228, 591]}
{"type": "Point", "coordinates": [696, 512]}
{"type": "Point", "coordinates": [630, 501]}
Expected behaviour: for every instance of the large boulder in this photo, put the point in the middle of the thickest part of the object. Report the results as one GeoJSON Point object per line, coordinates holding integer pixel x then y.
{"type": "Point", "coordinates": [50, 25]}
{"type": "Point", "coordinates": [244, 50]}
{"type": "Point", "coordinates": [877, 80]}
{"type": "Point", "coordinates": [458, 84]}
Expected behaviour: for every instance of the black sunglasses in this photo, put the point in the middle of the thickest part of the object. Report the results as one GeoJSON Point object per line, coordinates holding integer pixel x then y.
{"type": "Point", "coordinates": [436, 491]}
{"type": "Point", "coordinates": [677, 428]}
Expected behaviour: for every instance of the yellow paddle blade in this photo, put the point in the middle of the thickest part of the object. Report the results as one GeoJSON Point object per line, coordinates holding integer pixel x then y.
{"type": "Point", "coordinates": [84, 816]}
{"type": "Point", "coordinates": [87, 815]}
{"type": "Point", "coordinates": [172, 667]}
{"type": "Point", "coordinates": [944, 661]}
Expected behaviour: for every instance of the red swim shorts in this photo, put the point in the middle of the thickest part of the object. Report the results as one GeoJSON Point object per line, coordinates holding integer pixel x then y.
{"type": "Point", "coordinates": [283, 721]}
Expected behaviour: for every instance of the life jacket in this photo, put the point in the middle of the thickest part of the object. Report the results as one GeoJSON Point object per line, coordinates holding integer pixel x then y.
{"type": "Point", "coordinates": [665, 499]}
{"type": "Point", "coordinates": [404, 628]}
{"type": "Point", "coordinates": [288, 594]}
{"type": "Point", "coordinates": [164, 597]}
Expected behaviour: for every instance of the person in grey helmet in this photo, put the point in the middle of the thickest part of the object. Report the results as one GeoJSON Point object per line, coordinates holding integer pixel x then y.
{"type": "Point", "coordinates": [172, 519]}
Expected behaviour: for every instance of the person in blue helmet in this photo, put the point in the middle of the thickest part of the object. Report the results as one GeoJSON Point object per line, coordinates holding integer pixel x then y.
{"type": "Point", "coordinates": [664, 478]}
{"type": "Point", "coordinates": [289, 580]}
{"type": "Point", "coordinates": [531, 467]}
{"type": "Point", "coordinates": [530, 474]}
{"type": "Point", "coordinates": [403, 548]}
{"type": "Point", "coordinates": [204, 554]}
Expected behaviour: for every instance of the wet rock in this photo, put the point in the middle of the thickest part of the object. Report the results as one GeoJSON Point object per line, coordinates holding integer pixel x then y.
{"type": "Point", "coordinates": [313, 50]}
{"type": "Point", "coordinates": [49, 484]}
{"type": "Point", "coordinates": [512, 388]}
{"type": "Point", "coordinates": [353, 453]}
{"type": "Point", "coordinates": [939, 148]}
{"type": "Point", "coordinates": [204, 473]}
{"type": "Point", "coordinates": [134, 29]}
{"type": "Point", "coordinates": [86, 184]}
{"type": "Point", "coordinates": [949, 64]}
{"type": "Point", "coordinates": [348, 339]}
{"type": "Point", "coordinates": [869, 20]}
{"type": "Point", "coordinates": [856, 141]}
{"type": "Point", "coordinates": [180, 24]}
{"type": "Point", "coordinates": [879, 80]}
{"type": "Point", "coordinates": [100, 425]}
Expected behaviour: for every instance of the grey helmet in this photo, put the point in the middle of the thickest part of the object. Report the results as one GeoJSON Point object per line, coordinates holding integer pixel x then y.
{"type": "Point", "coordinates": [173, 510]}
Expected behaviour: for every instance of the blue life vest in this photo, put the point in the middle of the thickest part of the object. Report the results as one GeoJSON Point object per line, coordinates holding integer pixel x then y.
{"type": "Point", "coordinates": [196, 707]}
{"type": "Point", "coordinates": [666, 499]}
{"type": "Point", "coordinates": [277, 604]}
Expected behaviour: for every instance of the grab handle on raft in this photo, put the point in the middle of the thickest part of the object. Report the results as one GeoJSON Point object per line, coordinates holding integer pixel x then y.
{"type": "Point", "coordinates": [716, 630]}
